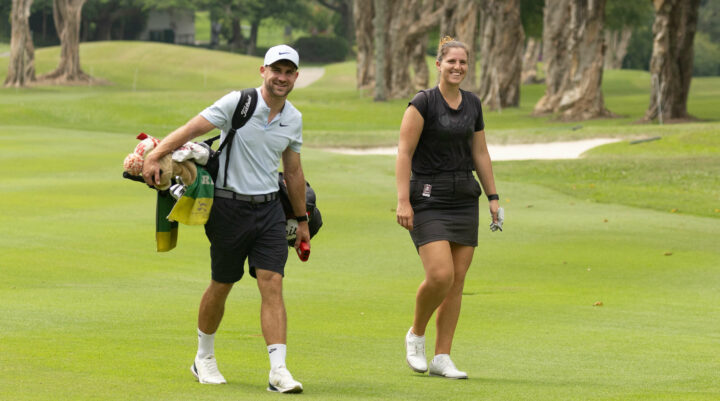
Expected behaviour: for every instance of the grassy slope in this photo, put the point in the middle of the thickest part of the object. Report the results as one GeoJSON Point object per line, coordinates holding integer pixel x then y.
{"type": "Point", "coordinates": [87, 301]}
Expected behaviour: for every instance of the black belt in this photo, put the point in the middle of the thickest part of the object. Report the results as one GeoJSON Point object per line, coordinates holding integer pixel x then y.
{"type": "Point", "coordinates": [444, 175]}
{"type": "Point", "coordinates": [224, 193]}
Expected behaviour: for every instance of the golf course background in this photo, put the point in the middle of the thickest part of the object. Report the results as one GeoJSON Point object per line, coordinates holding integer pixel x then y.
{"type": "Point", "coordinates": [605, 284]}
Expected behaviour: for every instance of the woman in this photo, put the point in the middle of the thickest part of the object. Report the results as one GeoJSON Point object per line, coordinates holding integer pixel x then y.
{"type": "Point", "coordinates": [442, 139]}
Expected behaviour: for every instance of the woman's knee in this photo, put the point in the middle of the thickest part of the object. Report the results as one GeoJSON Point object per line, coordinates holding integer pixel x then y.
{"type": "Point", "coordinates": [440, 278]}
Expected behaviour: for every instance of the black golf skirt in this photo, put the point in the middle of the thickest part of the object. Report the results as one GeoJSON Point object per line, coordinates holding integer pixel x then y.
{"type": "Point", "coordinates": [445, 207]}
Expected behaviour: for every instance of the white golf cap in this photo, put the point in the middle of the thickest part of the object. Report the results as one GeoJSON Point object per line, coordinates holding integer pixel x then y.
{"type": "Point", "coordinates": [282, 52]}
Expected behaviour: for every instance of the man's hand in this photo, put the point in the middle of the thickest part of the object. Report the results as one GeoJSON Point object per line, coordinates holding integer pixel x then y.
{"type": "Point", "coordinates": [151, 170]}
{"type": "Point", "coordinates": [303, 234]}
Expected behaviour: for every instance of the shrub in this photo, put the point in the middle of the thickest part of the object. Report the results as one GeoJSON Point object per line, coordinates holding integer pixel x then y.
{"type": "Point", "coordinates": [706, 60]}
{"type": "Point", "coordinates": [322, 49]}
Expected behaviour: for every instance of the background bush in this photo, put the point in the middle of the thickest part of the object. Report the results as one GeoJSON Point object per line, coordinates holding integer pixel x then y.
{"type": "Point", "coordinates": [322, 48]}
{"type": "Point", "coordinates": [706, 60]}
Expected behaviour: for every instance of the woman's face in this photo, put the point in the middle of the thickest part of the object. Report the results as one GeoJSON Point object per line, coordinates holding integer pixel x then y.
{"type": "Point", "coordinates": [453, 66]}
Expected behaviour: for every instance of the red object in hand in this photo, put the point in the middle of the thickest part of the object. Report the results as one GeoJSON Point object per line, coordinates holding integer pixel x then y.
{"type": "Point", "coordinates": [304, 251]}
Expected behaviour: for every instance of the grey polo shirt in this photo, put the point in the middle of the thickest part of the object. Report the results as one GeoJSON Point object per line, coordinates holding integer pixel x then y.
{"type": "Point", "coordinates": [257, 147]}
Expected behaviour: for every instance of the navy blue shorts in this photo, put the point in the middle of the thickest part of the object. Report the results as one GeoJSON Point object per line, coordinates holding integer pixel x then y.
{"type": "Point", "coordinates": [240, 230]}
{"type": "Point", "coordinates": [445, 207]}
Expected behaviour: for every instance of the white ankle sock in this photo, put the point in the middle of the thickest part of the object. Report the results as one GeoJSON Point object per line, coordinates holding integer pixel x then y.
{"type": "Point", "coordinates": [206, 344]}
{"type": "Point", "coordinates": [415, 335]}
{"type": "Point", "coordinates": [277, 353]}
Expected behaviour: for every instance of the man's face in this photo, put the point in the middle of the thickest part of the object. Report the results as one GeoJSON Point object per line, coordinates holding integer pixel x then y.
{"type": "Point", "coordinates": [279, 78]}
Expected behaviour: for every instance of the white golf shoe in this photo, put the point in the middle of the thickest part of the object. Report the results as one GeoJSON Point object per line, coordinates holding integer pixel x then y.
{"type": "Point", "coordinates": [281, 381]}
{"type": "Point", "coordinates": [415, 352]}
{"type": "Point", "coordinates": [206, 371]}
{"type": "Point", "coordinates": [443, 366]}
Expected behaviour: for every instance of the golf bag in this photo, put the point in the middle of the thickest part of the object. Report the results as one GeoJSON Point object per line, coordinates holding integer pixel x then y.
{"type": "Point", "coordinates": [314, 217]}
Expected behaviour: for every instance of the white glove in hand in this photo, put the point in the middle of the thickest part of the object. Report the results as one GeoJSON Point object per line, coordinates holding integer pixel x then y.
{"type": "Point", "coordinates": [501, 217]}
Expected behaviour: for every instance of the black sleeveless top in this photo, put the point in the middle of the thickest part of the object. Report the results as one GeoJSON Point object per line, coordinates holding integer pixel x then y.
{"type": "Point", "coordinates": [446, 139]}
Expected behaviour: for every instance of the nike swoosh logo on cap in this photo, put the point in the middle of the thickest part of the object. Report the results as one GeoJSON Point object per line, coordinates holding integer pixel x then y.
{"type": "Point", "coordinates": [281, 53]}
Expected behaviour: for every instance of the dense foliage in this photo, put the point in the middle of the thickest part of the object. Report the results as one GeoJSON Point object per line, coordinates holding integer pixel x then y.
{"type": "Point", "coordinates": [322, 48]}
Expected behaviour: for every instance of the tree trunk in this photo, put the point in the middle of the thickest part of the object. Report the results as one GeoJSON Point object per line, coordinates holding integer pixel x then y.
{"type": "Point", "coordinates": [236, 42]}
{"type": "Point", "coordinates": [616, 44]}
{"type": "Point", "coordinates": [460, 21]}
{"type": "Point", "coordinates": [421, 79]}
{"type": "Point", "coordinates": [530, 60]}
{"type": "Point", "coordinates": [556, 62]}
{"type": "Point", "coordinates": [252, 40]}
{"type": "Point", "coordinates": [21, 68]}
{"type": "Point", "coordinates": [574, 53]}
{"type": "Point", "coordinates": [104, 27]}
{"type": "Point", "coordinates": [345, 9]}
{"type": "Point", "coordinates": [502, 50]}
{"type": "Point", "coordinates": [379, 30]}
{"type": "Point", "coordinates": [582, 98]}
{"type": "Point", "coordinates": [30, 54]}
{"type": "Point", "coordinates": [67, 14]}
{"type": "Point", "coordinates": [363, 13]}
{"type": "Point", "coordinates": [671, 64]}
{"type": "Point", "coordinates": [406, 30]}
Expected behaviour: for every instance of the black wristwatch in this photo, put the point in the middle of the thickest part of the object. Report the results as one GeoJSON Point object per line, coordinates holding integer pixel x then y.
{"type": "Point", "coordinates": [301, 218]}
{"type": "Point", "coordinates": [493, 197]}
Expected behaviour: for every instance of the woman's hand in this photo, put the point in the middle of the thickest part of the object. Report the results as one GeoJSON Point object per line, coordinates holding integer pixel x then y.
{"type": "Point", "coordinates": [405, 214]}
{"type": "Point", "coordinates": [494, 207]}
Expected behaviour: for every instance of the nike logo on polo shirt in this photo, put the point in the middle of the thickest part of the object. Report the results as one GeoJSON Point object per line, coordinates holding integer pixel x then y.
{"type": "Point", "coordinates": [284, 125]}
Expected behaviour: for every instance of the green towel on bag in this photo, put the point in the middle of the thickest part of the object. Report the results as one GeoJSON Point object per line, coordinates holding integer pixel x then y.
{"type": "Point", "coordinates": [193, 208]}
{"type": "Point", "coordinates": [166, 232]}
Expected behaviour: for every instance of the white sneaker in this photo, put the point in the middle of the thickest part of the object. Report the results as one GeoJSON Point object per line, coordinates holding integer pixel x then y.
{"type": "Point", "coordinates": [443, 366]}
{"type": "Point", "coordinates": [281, 381]}
{"type": "Point", "coordinates": [415, 352]}
{"type": "Point", "coordinates": [206, 371]}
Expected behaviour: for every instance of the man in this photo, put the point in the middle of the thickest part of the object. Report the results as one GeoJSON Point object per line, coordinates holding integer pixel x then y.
{"type": "Point", "coordinates": [247, 219]}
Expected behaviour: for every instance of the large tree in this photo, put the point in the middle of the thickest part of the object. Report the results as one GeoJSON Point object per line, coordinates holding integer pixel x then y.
{"type": "Point", "coordinates": [344, 10]}
{"type": "Point", "coordinates": [532, 21]}
{"type": "Point", "coordinates": [621, 16]}
{"type": "Point", "coordinates": [405, 28]}
{"type": "Point", "coordinates": [380, 24]}
{"type": "Point", "coordinates": [363, 13]}
{"type": "Point", "coordinates": [105, 19]}
{"type": "Point", "coordinates": [671, 64]}
{"type": "Point", "coordinates": [501, 54]}
{"type": "Point", "coordinates": [573, 52]}
{"type": "Point", "coordinates": [21, 68]}
{"type": "Point", "coordinates": [67, 17]}
{"type": "Point", "coordinates": [460, 21]}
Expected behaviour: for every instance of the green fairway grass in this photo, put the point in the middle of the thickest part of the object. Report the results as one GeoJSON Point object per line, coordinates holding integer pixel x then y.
{"type": "Point", "coordinates": [604, 285]}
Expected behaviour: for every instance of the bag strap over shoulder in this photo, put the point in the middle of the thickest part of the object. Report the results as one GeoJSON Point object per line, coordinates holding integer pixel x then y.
{"type": "Point", "coordinates": [243, 111]}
